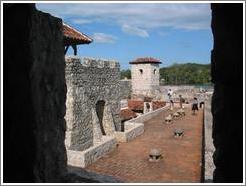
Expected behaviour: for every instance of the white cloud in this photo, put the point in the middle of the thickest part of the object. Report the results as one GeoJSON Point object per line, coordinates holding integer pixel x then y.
{"type": "Point", "coordinates": [163, 34]}
{"type": "Point", "coordinates": [82, 21]}
{"type": "Point", "coordinates": [103, 38]}
{"type": "Point", "coordinates": [134, 31]}
{"type": "Point", "coordinates": [146, 16]}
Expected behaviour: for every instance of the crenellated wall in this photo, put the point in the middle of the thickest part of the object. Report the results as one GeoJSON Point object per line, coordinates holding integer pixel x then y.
{"type": "Point", "coordinates": [93, 101]}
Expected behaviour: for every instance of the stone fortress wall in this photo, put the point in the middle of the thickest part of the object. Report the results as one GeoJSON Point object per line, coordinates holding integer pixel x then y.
{"type": "Point", "coordinates": [188, 92]}
{"type": "Point", "coordinates": [125, 88]}
{"type": "Point", "coordinates": [93, 110]}
{"type": "Point", "coordinates": [93, 101]}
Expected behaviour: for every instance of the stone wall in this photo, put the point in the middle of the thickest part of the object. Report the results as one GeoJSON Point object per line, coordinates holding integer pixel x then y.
{"type": "Point", "coordinates": [208, 145]}
{"type": "Point", "coordinates": [227, 101]}
{"type": "Point", "coordinates": [147, 82]}
{"type": "Point", "coordinates": [187, 91]}
{"type": "Point", "coordinates": [147, 116]}
{"type": "Point", "coordinates": [87, 83]}
{"type": "Point", "coordinates": [90, 155]}
{"type": "Point", "coordinates": [34, 96]}
{"type": "Point", "coordinates": [125, 88]}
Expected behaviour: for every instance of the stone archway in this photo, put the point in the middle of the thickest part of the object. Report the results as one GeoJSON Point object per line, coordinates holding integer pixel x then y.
{"type": "Point", "coordinates": [100, 110]}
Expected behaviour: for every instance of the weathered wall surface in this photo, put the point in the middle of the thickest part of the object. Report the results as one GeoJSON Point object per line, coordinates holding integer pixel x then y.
{"type": "Point", "coordinates": [147, 82]}
{"type": "Point", "coordinates": [227, 101]}
{"type": "Point", "coordinates": [34, 96]}
{"type": "Point", "coordinates": [87, 83]}
{"type": "Point", "coordinates": [125, 89]}
{"type": "Point", "coordinates": [208, 146]}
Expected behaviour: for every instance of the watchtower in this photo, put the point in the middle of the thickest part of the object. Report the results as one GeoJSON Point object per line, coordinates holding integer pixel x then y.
{"type": "Point", "coordinates": [145, 76]}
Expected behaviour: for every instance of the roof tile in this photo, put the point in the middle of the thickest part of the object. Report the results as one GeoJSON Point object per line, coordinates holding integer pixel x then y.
{"type": "Point", "coordinates": [142, 60]}
{"type": "Point", "coordinates": [73, 36]}
{"type": "Point", "coordinates": [127, 114]}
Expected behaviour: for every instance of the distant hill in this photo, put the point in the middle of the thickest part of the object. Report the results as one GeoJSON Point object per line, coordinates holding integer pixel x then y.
{"type": "Point", "coordinates": [185, 74]}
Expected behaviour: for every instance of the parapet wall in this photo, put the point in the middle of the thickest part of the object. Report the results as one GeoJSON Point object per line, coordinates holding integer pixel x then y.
{"type": "Point", "coordinates": [94, 71]}
{"type": "Point", "coordinates": [89, 82]}
{"type": "Point", "coordinates": [147, 116]}
{"type": "Point", "coordinates": [93, 62]}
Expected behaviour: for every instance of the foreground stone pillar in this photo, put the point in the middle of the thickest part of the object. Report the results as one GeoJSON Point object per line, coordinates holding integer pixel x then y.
{"type": "Point", "coordinates": [227, 101]}
{"type": "Point", "coordinates": [34, 96]}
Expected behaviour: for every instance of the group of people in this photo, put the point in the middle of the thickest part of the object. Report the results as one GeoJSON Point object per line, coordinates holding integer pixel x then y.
{"type": "Point", "coordinates": [194, 102]}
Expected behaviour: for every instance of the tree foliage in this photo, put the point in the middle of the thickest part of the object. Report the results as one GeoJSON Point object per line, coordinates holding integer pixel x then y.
{"type": "Point", "coordinates": [185, 74]}
{"type": "Point", "coordinates": [125, 74]}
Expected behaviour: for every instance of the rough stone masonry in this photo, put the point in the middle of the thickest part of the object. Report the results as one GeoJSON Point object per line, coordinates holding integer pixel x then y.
{"type": "Point", "coordinates": [34, 94]}
{"type": "Point", "coordinates": [93, 101]}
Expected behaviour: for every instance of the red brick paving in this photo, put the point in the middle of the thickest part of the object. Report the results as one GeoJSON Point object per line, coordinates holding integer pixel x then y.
{"type": "Point", "coordinates": [181, 156]}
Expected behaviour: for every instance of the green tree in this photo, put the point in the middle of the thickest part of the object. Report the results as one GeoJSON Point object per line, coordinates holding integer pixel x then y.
{"type": "Point", "coordinates": [189, 73]}
{"type": "Point", "coordinates": [125, 74]}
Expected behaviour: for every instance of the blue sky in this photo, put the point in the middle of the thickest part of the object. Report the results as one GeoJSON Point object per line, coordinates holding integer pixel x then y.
{"type": "Point", "coordinates": [171, 32]}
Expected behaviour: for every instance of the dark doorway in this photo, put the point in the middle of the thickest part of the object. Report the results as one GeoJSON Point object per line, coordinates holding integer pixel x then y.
{"type": "Point", "coordinates": [100, 109]}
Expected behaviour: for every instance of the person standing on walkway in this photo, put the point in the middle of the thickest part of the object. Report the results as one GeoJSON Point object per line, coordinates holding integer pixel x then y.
{"type": "Point", "coordinates": [170, 93]}
{"type": "Point", "coordinates": [181, 101]}
{"type": "Point", "coordinates": [194, 105]}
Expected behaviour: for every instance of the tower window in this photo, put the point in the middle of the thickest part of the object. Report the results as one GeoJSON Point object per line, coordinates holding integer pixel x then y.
{"type": "Point", "coordinates": [154, 71]}
{"type": "Point", "coordinates": [141, 71]}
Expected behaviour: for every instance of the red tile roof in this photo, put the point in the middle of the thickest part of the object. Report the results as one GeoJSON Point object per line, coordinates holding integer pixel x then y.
{"type": "Point", "coordinates": [142, 60]}
{"type": "Point", "coordinates": [158, 104]}
{"type": "Point", "coordinates": [136, 105]}
{"type": "Point", "coordinates": [127, 114]}
{"type": "Point", "coordinates": [73, 36]}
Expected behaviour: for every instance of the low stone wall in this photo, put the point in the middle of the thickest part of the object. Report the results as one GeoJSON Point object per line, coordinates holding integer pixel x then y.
{"type": "Point", "coordinates": [147, 116]}
{"type": "Point", "coordinates": [135, 127]}
{"type": "Point", "coordinates": [209, 147]}
{"type": "Point", "coordinates": [132, 130]}
{"type": "Point", "coordinates": [90, 155]}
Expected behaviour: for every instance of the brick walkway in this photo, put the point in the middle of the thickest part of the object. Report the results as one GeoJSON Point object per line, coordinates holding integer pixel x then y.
{"type": "Point", "coordinates": [182, 156]}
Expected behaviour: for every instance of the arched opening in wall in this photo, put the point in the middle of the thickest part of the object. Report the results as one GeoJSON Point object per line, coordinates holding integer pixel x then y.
{"type": "Point", "coordinates": [141, 71]}
{"type": "Point", "coordinates": [155, 71]}
{"type": "Point", "coordinates": [122, 126]}
{"type": "Point", "coordinates": [100, 110]}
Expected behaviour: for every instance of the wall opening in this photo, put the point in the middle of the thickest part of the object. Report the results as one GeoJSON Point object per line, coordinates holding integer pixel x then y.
{"type": "Point", "coordinates": [141, 71]}
{"type": "Point", "coordinates": [154, 71]}
{"type": "Point", "coordinates": [100, 110]}
{"type": "Point", "coordinates": [122, 126]}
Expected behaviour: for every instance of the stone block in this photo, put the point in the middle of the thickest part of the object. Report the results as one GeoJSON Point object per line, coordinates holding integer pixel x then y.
{"type": "Point", "coordinates": [90, 155]}
{"type": "Point", "coordinates": [132, 131]}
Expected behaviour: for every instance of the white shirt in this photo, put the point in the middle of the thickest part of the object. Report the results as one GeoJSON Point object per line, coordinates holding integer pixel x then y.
{"type": "Point", "coordinates": [170, 92]}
